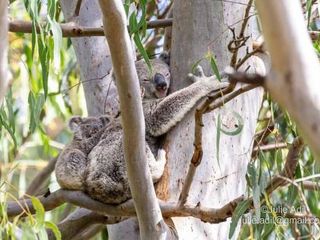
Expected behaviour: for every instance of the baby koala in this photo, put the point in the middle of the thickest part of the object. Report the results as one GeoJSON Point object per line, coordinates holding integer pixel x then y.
{"type": "Point", "coordinates": [72, 162]}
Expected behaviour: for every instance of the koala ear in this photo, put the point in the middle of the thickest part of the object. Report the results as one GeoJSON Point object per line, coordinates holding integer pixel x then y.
{"type": "Point", "coordinates": [165, 56]}
{"type": "Point", "coordinates": [74, 123]}
{"type": "Point", "coordinates": [105, 119]}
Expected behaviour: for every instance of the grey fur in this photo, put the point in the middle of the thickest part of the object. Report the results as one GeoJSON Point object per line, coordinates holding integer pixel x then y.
{"type": "Point", "coordinates": [105, 177]}
{"type": "Point", "coordinates": [72, 163]}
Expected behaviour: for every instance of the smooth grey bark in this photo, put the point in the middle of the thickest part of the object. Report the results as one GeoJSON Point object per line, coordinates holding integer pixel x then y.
{"type": "Point", "coordinates": [93, 56]}
{"type": "Point", "coordinates": [3, 49]}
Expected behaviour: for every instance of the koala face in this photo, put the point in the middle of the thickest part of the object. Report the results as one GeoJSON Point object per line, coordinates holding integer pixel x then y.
{"type": "Point", "coordinates": [156, 83]}
{"type": "Point", "coordinates": [84, 128]}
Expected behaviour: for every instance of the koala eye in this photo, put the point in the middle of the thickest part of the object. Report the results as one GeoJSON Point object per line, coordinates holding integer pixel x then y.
{"type": "Point", "coordinates": [145, 80]}
{"type": "Point", "coordinates": [167, 74]}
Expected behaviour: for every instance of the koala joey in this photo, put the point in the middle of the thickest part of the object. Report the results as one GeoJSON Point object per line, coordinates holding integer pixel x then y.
{"type": "Point", "coordinates": [72, 162]}
{"type": "Point", "coordinates": [106, 177]}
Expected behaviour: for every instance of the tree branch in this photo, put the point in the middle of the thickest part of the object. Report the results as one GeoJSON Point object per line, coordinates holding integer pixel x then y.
{"type": "Point", "coordinates": [289, 167]}
{"type": "Point", "coordinates": [127, 209]}
{"type": "Point", "coordinates": [73, 30]}
{"type": "Point", "coordinates": [268, 147]}
{"type": "Point", "coordinates": [148, 211]}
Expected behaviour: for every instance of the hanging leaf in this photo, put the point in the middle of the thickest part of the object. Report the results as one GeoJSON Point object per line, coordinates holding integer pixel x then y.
{"type": "Point", "coordinates": [39, 215]}
{"type": "Point", "coordinates": [36, 103]}
{"type": "Point", "coordinates": [142, 51]}
{"type": "Point", "coordinates": [239, 125]}
{"type": "Point", "coordinates": [213, 65]}
{"type": "Point", "coordinates": [53, 227]}
{"type": "Point", "coordinates": [3, 122]}
{"type": "Point", "coordinates": [241, 208]}
{"type": "Point", "coordinates": [218, 139]}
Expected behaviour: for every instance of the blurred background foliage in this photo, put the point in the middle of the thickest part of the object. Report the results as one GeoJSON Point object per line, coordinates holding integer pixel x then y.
{"type": "Point", "coordinates": [45, 92]}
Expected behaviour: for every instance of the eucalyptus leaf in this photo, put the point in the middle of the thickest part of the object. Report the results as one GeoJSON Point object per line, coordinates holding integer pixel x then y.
{"type": "Point", "coordinates": [239, 125]}
{"type": "Point", "coordinates": [39, 215]}
{"type": "Point", "coordinates": [53, 227]}
{"type": "Point", "coordinates": [241, 208]}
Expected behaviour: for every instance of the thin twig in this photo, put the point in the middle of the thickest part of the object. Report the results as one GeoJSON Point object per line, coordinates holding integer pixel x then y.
{"type": "Point", "coordinates": [77, 9]}
{"type": "Point", "coordinates": [246, 57]}
{"type": "Point", "coordinates": [230, 96]}
{"type": "Point", "coordinates": [269, 147]}
{"type": "Point", "coordinates": [309, 185]}
{"type": "Point", "coordinates": [289, 168]}
{"type": "Point", "coordinates": [240, 40]}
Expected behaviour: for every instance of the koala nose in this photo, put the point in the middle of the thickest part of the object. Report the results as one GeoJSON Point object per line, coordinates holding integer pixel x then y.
{"type": "Point", "coordinates": [160, 81]}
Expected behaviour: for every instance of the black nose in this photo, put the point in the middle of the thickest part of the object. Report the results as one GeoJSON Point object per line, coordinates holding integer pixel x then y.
{"type": "Point", "coordinates": [160, 81]}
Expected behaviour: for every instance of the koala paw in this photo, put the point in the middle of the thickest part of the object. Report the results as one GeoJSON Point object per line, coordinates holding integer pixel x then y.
{"type": "Point", "coordinates": [198, 74]}
{"type": "Point", "coordinates": [157, 168]}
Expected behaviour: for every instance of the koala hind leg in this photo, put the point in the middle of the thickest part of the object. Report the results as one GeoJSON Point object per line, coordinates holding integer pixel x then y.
{"type": "Point", "coordinates": [156, 165]}
{"type": "Point", "coordinates": [70, 169]}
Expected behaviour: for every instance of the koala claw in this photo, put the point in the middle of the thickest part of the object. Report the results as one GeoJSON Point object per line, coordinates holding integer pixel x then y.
{"type": "Point", "coordinates": [198, 71]}
{"type": "Point", "coordinates": [198, 74]}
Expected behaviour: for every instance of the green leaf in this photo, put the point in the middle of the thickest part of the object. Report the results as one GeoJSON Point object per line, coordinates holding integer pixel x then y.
{"type": "Point", "coordinates": [193, 67]}
{"type": "Point", "coordinates": [54, 229]}
{"type": "Point", "coordinates": [44, 60]}
{"type": "Point", "coordinates": [218, 139]}
{"type": "Point", "coordinates": [36, 103]}
{"type": "Point", "coordinates": [309, 8]}
{"type": "Point", "coordinates": [238, 212]}
{"type": "Point", "coordinates": [253, 176]}
{"type": "Point", "coordinates": [3, 122]}
{"type": "Point", "coordinates": [9, 103]}
{"type": "Point", "coordinates": [133, 24]}
{"type": "Point", "coordinates": [239, 126]}
{"type": "Point", "coordinates": [141, 49]}
{"type": "Point", "coordinates": [214, 65]}
{"type": "Point", "coordinates": [39, 215]}
{"type": "Point", "coordinates": [57, 39]}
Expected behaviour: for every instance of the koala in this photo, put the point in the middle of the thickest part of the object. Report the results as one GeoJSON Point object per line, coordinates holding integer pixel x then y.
{"type": "Point", "coordinates": [72, 163]}
{"type": "Point", "coordinates": [106, 178]}
{"type": "Point", "coordinates": [154, 84]}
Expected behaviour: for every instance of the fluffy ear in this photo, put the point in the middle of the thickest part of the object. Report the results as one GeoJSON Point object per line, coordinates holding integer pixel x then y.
{"type": "Point", "coordinates": [165, 56]}
{"type": "Point", "coordinates": [105, 119]}
{"type": "Point", "coordinates": [74, 123]}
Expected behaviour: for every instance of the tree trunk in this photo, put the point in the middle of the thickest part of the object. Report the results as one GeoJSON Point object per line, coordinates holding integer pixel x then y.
{"type": "Point", "coordinates": [198, 28]}
{"type": "Point", "coordinates": [93, 56]}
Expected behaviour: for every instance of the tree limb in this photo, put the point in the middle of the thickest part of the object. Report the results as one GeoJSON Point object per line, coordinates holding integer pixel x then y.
{"type": "Point", "coordinates": [148, 211]}
{"type": "Point", "coordinates": [71, 29]}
